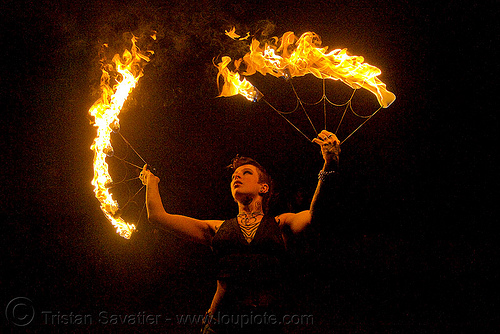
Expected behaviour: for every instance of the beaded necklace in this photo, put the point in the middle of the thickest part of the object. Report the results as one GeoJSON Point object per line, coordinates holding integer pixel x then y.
{"type": "Point", "coordinates": [249, 224]}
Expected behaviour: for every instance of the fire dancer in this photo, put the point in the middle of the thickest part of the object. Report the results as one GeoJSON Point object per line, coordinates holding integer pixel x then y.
{"type": "Point", "coordinates": [249, 247]}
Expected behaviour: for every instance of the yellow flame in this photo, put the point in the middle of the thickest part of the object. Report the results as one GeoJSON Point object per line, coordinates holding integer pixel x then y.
{"type": "Point", "coordinates": [233, 84]}
{"type": "Point", "coordinates": [232, 34]}
{"type": "Point", "coordinates": [105, 112]}
{"type": "Point", "coordinates": [290, 56]}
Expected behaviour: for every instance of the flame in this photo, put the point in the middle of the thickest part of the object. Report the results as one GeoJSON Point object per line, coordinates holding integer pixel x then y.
{"type": "Point", "coordinates": [233, 84]}
{"type": "Point", "coordinates": [290, 56]}
{"type": "Point", "coordinates": [232, 34]}
{"type": "Point", "coordinates": [105, 112]}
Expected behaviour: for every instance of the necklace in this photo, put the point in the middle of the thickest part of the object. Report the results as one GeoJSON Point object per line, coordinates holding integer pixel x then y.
{"type": "Point", "coordinates": [249, 224]}
{"type": "Point", "coordinates": [249, 219]}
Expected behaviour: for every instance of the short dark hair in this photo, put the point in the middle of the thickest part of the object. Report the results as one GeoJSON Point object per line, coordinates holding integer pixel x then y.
{"type": "Point", "coordinates": [264, 177]}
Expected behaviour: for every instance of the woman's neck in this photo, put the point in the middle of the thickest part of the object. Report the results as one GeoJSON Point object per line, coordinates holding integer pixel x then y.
{"type": "Point", "coordinates": [252, 208]}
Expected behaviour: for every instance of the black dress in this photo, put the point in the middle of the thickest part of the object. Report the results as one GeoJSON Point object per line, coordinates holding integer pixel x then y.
{"type": "Point", "coordinates": [252, 274]}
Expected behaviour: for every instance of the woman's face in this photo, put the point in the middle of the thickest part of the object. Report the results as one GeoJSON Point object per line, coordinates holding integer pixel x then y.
{"type": "Point", "coordinates": [245, 182]}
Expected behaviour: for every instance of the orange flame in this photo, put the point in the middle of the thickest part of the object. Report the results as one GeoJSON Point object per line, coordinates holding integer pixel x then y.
{"type": "Point", "coordinates": [232, 33]}
{"type": "Point", "coordinates": [105, 112]}
{"type": "Point", "coordinates": [233, 84]}
{"type": "Point", "coordinates": [290, 56]}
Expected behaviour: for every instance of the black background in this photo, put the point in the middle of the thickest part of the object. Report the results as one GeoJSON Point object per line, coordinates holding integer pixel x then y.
{"type": "Point", "coordinates": [409, 248]}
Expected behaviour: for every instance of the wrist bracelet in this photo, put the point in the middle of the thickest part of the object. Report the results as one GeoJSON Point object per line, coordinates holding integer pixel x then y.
{"type": "Point", "coordinates": [322, 176]}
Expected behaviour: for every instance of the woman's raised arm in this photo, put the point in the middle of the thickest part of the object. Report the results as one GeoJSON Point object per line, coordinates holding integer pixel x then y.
{"type": "Point", "coordinates": [194, 229]}
{"type": "Point", "coordinates": [330, 149]}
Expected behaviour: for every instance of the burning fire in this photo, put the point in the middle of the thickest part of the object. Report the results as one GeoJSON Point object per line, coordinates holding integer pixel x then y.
{"type": "Point", "coordinates": [232, 33]}
{"type": "Point", "coordinates": [234, 84]}
{"type": "Point", "coordinates": [290, 56]}
{"type": "Point", "coordinates": [105, 111]}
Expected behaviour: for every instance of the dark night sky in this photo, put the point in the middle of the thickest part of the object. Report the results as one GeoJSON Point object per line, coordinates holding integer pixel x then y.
{"type": "Point", "coordinates": [410, 247]}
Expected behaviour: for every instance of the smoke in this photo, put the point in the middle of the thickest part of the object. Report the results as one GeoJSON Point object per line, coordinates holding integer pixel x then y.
{"type": "Point", "coordinates": [190, 36]}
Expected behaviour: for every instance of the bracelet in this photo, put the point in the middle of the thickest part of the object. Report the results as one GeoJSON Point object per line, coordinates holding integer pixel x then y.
{"type": "Point", "coordinates": [322, 176]}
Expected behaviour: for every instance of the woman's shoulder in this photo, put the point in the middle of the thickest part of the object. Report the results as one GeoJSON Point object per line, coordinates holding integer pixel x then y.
{"type": "Point", "coordinates": [222, 224]}
{"type": "Point", "coordinates": [282, 219]}
{"type": "Point", "coordinates": [215, 225]}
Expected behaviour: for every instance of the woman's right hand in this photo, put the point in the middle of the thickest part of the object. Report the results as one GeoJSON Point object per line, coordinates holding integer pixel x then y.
{"type": "Point", "coordinates": [147, 177]}
{"type": "Point", "coordinates": [330, 146]}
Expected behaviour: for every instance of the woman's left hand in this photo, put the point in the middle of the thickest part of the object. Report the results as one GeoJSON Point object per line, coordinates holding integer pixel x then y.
{"type": "Point", "coordinates": [330, 146]}
{"type": "Point", "coordinates": [147, 177]}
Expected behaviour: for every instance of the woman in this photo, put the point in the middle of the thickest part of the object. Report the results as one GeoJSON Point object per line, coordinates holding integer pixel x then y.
{"type": "Point", "coordinates": [248, 247]}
